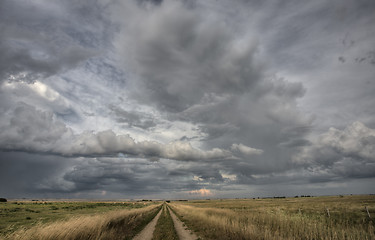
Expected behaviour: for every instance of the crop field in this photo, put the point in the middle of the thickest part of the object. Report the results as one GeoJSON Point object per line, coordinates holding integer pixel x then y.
{"type": "Point", "coordinates": [334, 217]}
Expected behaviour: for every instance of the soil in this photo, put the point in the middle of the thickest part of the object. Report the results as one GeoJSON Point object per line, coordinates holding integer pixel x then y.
{"type": "Point", "coordinates": [148, 232]}
{"type": "Point", "coordinates": [182, 231]}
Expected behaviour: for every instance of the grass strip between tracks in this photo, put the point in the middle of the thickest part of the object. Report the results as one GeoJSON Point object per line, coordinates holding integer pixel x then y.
{"type": "Point", "coordinates": [165, 229]}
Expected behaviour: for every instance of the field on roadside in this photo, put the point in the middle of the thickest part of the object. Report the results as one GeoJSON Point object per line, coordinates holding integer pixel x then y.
{"type": "Point", "coordinates": [33, 214]}
{"type": "Point", "coordinates": [334, 217]}
{"type": "Point", "coordinates": [341, 217]}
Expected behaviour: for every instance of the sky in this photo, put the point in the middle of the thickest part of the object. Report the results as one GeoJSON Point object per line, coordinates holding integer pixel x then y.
{"type": "Point", "coordinates": [183, 99]}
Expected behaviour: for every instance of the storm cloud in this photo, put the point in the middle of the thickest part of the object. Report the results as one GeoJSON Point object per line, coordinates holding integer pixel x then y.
{"type": "Point", "coordinates": [185, 98]}
{"type": "Point", "coordinates": [31, 130]}
{"type": "Point", "coordinates": [32, 50]}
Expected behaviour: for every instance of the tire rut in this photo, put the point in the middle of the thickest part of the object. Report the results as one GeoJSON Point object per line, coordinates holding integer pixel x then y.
{"type": "Point", "coordinates": [182, 231]}
{"type": "Point", "coordinates": [148, 232]}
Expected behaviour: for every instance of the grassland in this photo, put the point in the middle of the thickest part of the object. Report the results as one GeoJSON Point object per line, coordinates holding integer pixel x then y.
{"type": "Point", "coordinates": [340, 217]}
{"type": "Point", "coordinates": [289, 218]}
{"type": "Point", "coordinates": [164, 228]}
{"type": "Point", "coordinates": [19, 219]}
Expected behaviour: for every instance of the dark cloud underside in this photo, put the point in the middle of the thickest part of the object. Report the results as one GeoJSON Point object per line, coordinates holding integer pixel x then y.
{"type": "Point", "coordinates": [166, 98]}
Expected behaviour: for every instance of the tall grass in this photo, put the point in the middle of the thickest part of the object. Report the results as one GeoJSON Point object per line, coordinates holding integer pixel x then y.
{"type": "Point", "coordinates": [272, 223]}
{"type": "Point", "coordinates": [114, 225]}
{"type": "Point", "coordinates": [25, 214]}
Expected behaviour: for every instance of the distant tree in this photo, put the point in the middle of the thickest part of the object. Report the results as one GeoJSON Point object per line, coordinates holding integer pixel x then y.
{"type": "Point", "coordinates": [3, 200]}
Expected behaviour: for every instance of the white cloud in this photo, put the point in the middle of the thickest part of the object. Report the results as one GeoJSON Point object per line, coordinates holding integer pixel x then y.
{"type": "Point", "coordinates": [36, 93]}
{"type": "Point", "coordinates": [245, 150]}
{"type": "Point", "coordinates": [347, 153]}
{"type": "Point", "coordinates": [227, 176]}
{"type": "Point", "coordinates": [355, 141]}
{"type": "Point", "coordinates": [29, 129]}
{"type": "Point", "coordinates": [44, 91]}
{"type": "Point", "coordinates": [199, 179]}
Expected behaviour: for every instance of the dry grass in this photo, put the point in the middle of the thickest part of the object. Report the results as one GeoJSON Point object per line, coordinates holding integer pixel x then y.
{"type": "Point", "coordinates": [122, 224]}
{"type": "Point", "coordinates": [278, 219]}
{"type": "Point", "coordinates": [15, 215]}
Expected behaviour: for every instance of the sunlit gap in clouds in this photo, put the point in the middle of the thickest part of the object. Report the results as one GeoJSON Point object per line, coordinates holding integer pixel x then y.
{"type": "Point", "coordinates": [201, 192]}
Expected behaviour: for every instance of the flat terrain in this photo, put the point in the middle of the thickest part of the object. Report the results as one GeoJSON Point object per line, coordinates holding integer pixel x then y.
{"type": "Point", "coordinates": [15, 215]}
{"type": "Point", "coordinates": [148, 231]}
{"type": "Point", "coordinates": [165, 229]}
{"type": "Point", "coordinates": [182, 231]}
{"type": "Point", "coordinates": [335, 217]}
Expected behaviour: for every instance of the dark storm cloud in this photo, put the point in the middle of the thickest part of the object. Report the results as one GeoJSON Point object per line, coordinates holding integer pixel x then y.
{"type": "Point", "coordinates": [169, 97]}
{"type": "Point", "coordinates": [317, 43]}
{"type": "Point", "coordinates": [40, 39]}
{"type": "Point", "coordinates": [150, 1]}
{"type": "Point", "coordinates": [120, 175]}
{"type": "Point", "coordinates": [28, 175]}
{"type": "Point", "coordinates": [34, 175]}
{"type": "Point", "coordinates": [181, 56]}
{"type": "Point", "coordinates": [130, 177]}
{"type": "Point", "coordinates": [33, 56]}
{"type": "Point", "coordinates": [296, 26]}
{"type": "Point", "coordinates": [200, 70]}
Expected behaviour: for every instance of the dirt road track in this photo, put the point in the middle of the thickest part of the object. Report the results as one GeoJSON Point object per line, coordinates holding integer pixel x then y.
{"type": "Point", "coordinates": [148, 232]}
{"type": "Point", "coordinates": [182, 232]}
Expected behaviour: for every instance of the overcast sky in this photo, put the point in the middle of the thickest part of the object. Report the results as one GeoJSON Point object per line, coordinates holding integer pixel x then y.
{"type": "Point", "coordinates": [186, 99]}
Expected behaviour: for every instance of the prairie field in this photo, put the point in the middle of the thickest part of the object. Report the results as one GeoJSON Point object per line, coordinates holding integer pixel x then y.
{"type": "Point", "coordinates": [341, 217]}
{"type": "Point", "coordinates": [74, 220]}
{"type": "Point", "coordinates": [333, 217]}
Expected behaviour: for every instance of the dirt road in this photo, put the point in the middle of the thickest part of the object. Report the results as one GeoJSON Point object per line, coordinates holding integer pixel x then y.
{"type": "Point", "coordinates": [182, 232]}
{"type": "Point", "coordinates": [148, 232]}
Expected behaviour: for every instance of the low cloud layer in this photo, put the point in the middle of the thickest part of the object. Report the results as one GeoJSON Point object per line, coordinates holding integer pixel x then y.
{"type": "Point", "coordinates": [245, 150]}
{"type": "Point", "coordinates": [32, 130]}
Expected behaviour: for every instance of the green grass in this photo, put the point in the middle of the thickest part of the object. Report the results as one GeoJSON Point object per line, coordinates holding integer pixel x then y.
{"type": "Point", "coordinates": [25, 214]}
{"type": "Point", "coordinates": [164, 228]}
